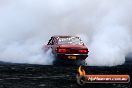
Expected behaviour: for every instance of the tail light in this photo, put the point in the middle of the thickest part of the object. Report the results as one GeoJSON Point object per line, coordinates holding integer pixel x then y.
{"type": "Point", "coordinates": [61, 50]}
{"type": "Point", "coordinates": [83, 51]}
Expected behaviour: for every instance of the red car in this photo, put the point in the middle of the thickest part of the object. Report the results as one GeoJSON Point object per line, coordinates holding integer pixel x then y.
{"type": "Point", "coordinates": [67, 50]}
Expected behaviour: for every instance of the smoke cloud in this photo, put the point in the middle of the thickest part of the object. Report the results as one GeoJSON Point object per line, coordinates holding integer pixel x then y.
{"type": "Point", "coordinates": [104, 26]}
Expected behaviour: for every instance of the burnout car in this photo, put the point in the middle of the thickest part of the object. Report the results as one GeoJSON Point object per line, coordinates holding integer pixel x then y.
{"type": "Point", "coordinates": [67, 50]}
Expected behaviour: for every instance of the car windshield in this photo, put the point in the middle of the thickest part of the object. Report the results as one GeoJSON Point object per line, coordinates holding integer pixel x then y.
{"type": "Point", "coordinates": [70, 40]}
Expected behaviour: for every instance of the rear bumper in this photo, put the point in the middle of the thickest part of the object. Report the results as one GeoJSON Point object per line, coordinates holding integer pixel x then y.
{"type": "Point", "coordinates": [65, 56]}
{"type": "Point", "coordinates": [62, 59]}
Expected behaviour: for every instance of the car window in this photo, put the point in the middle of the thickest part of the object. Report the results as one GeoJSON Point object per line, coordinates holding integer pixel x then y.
{"type": "Point", "coordinates": [70, 40]}
{"type": "Point", "coordinates": [50, 41]}
{"type": "Point", "coordinates": [54, 41]}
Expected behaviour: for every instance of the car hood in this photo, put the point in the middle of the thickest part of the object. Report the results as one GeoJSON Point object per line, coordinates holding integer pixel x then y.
{"type": "Point", "coordinates": [73, 46]}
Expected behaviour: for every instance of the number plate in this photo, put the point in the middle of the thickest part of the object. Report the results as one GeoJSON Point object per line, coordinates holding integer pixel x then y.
{"type": "Point", "coordinates": [72, 57]}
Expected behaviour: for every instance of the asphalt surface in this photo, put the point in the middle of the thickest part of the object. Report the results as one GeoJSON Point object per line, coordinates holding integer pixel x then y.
{"type": "Point", "coordinates": [41, 76]}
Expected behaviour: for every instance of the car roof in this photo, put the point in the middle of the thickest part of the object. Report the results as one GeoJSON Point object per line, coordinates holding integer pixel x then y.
{"type": "Point", "coordinates": [63, 36]}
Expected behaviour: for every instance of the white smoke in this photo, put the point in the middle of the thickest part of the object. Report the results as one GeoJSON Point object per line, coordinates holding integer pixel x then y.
{"type": "Point", "coordinates": [26, 25]}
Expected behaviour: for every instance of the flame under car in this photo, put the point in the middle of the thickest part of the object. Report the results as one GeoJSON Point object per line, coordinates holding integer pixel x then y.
{"type": "Point", "coordinates": [67, 50]}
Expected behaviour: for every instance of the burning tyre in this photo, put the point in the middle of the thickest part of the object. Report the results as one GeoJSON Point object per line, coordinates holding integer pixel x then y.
{"type": "Point", "coordinates": [67, 50]}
